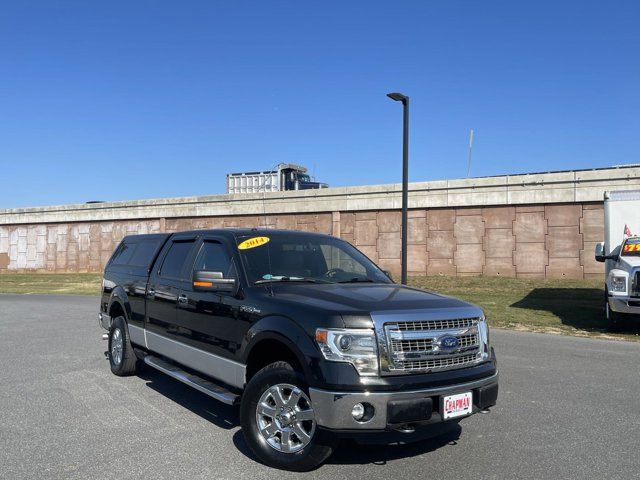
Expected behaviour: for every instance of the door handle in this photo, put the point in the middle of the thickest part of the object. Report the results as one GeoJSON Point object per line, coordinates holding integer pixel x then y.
{"type": "Point", "coordinates": [183, 299]}
{"type": "Point", "coordinates": [151, 293]}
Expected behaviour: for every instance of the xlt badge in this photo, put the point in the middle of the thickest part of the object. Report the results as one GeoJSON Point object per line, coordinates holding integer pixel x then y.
{"type": "Point", "coordinates": [249, 309]}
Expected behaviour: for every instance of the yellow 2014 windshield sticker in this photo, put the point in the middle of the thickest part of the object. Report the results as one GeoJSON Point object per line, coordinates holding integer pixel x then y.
{"type": "Point", "coordinates": [252, 243]}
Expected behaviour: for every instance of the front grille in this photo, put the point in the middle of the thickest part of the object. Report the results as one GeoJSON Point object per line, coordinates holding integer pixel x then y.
{"type": "Point", "coordinates": [425, 346]}
{"type": "Point", "coordinates": [635, 285]}
{"type": "Point", "coordinates": [436, 363]}
{"type": "Point", "coordinates": [436, 324]}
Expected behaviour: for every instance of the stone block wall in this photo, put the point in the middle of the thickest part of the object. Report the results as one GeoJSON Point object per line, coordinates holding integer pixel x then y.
{"type": "Point", "coordinates": [538, 241]}
{"type": "Point", "coordinates": [74, 247]}
{"type": "Point", "coordinates": [552, 241]}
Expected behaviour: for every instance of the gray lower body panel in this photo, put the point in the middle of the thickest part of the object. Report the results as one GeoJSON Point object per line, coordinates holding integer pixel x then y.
{"type": "Point", "coordinates": [223, 369]}
{"type": "Point", "coordinates": [220, 368]}
{"type": "Point", "coordinates": [137, 335]}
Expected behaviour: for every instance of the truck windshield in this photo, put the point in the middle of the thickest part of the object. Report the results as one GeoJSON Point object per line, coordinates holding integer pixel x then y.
{"type": "Point", "coordinates": [279, 257]}
{"type": "Point", "coordinates": [631, 247]}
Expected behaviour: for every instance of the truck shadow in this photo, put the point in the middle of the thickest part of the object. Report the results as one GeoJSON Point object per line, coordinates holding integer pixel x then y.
{"type": "Point", "coordinates": [352, 453]}
{"type": "Point", "coordinates": [221, 415]}
{"type": "Point", "coordinates": [580, 308]}
{"type": "Point", "coordinates": [349, 452]}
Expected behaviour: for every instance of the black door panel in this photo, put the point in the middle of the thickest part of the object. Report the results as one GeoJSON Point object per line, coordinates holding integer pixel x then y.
{"type": "Point", "coordinates": [212, 319]}
{"type": "Point", "coordinates": [166, 283]}
{"type": "Point", "coordinates": [136, 289]}
{"type": "Point", "coordinates": [162, 300]}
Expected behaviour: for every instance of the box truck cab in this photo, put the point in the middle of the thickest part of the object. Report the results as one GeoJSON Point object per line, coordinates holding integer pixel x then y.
{"type": "Point", "coordinates": [620, 252]}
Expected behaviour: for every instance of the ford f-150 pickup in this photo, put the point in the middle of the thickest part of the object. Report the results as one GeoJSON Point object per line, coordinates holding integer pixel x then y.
{"type": "Point", "coordinates": [302, 330]}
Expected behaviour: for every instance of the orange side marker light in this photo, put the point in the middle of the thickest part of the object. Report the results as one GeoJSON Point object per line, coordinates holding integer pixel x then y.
{"type": "Point", "coordinates": [321, 336]}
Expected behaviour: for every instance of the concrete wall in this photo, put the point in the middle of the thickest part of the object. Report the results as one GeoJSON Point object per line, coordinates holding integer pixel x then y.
{"type": "Point", "coordinates": [522, 241]}
{"type": "Point", "coordinates": [535, 225]}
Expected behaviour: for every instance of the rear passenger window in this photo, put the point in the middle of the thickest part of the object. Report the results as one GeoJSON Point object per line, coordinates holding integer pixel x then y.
{"type": "Point", "coordinates": [143, 253]}
{"type": "Point", "coordinates": [123, 254]}
{"type": "Point", "coordinates": [175, 259]}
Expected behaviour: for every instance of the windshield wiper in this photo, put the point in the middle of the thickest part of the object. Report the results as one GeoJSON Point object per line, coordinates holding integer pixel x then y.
{"type": "Point", "coordinates": [287, 279]}
{"type": "Point", "coordinates": [357, 280]}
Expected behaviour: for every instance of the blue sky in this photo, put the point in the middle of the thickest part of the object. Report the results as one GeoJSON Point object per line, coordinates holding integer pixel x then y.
{"type": "Point", "coordinates": [140, 99]}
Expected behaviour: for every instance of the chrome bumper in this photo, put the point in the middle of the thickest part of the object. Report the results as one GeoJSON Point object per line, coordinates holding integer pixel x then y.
{"type": "Point", "coordinates": [104, 320]}
{"type": "Point", "coordinates": [621, 304]}
{"type": "Point", "coordinates": [333, 409]}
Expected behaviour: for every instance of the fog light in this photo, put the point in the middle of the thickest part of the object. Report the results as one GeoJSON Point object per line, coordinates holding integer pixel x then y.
{"type": "Point", "coordinates": [358, 411]}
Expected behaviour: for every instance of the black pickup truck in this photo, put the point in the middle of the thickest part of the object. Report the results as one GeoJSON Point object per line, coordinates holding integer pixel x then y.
{"type": "Point", "coordinates": [307, 334]}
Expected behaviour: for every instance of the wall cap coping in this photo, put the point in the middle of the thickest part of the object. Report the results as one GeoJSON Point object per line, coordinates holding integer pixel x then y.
{"type": "Point", "coordinates": [528, 188]}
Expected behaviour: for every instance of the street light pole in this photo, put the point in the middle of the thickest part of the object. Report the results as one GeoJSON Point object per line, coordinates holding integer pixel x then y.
{"type": "Point", "coordinates": [399, 97]}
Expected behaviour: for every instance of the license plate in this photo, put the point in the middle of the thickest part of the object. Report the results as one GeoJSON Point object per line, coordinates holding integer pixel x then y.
{"type": "Point", "coordinates": [457, 405]}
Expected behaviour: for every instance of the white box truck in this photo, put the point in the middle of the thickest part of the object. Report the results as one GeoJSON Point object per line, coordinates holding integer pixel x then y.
{"type": "Point", "coordinates": [621, 253]}
{"type": "Point", "coordinates": [286, 176]}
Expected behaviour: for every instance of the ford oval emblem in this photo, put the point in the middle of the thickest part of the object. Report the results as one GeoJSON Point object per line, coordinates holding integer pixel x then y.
{"type": "Point", "coordinates": [449, 342]}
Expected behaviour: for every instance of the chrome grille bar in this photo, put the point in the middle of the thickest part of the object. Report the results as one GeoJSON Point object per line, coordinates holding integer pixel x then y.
{"type": "Point", "coordinates": [436, 324]}
{"type": "Point", "coordinates": [435, 363]}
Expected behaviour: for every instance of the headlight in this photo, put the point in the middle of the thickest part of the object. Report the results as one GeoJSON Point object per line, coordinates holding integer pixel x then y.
{"type": "Point", "coordinates": [357, 347]}
{"type": "Point", "coordinates": [618, 284]}
{"type": "Point", "coordinates": [483, 330]}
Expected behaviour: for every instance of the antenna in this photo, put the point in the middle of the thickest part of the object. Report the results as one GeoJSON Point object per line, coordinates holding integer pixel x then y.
{"type": "Point", "coordinates": [470, 152]}
{"type": "Point", "coordinates": [264, 193]}
{"type": "Point", "coordinates": [264, 214]}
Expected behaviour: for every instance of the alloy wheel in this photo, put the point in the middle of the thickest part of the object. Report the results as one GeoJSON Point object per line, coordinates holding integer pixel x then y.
{"type": "Point", "coordinates": [285, 418]}
{"type": "Point", "coordinates": [116, 346]}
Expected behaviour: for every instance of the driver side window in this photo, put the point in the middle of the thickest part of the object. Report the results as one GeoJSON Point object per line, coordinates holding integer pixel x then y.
{"type": "Point", "coordinates": [213, 257]}
{"type": "Point", "coordinates": [338, 258]}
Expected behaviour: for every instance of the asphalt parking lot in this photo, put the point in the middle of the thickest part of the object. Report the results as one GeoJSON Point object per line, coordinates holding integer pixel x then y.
{"type": "Point", "coordinates": [568, 408]}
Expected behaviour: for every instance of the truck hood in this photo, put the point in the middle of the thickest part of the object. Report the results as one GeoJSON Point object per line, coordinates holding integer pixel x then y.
{"type": "Point", "coordinates": [632, 262]}
{"type": "Point", "coordinates": [355, 301]}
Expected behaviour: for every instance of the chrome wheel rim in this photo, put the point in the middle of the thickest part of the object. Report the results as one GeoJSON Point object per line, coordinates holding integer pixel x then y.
{"type": "Point", "coordinates": [116, 346]}
{"type": "Point", "coordinates": [285, 418]}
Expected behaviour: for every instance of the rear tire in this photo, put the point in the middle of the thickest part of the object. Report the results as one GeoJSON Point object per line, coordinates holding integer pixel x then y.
{"type": "Point", "coordinates": [122, 358]}
{"type": "Point", "coordinates": [275, 409]}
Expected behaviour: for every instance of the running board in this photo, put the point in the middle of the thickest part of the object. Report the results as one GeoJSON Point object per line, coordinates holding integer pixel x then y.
{"type": "Point", "coordinates": [205, 386]}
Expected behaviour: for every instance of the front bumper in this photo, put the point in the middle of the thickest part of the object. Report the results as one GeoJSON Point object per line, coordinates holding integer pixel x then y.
{"type": "Point", "coordinates": [624, 304]}
{"type": "Point", "coordinates": [393, 409]}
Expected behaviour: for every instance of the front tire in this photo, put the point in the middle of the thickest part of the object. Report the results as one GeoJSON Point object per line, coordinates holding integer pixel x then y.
{"type": "Point", "coordinates": [122, 358]}
{"type": "Point", "coordinates": [614, 320]}
{"type": "Point", "coordinates": [278, 421]}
